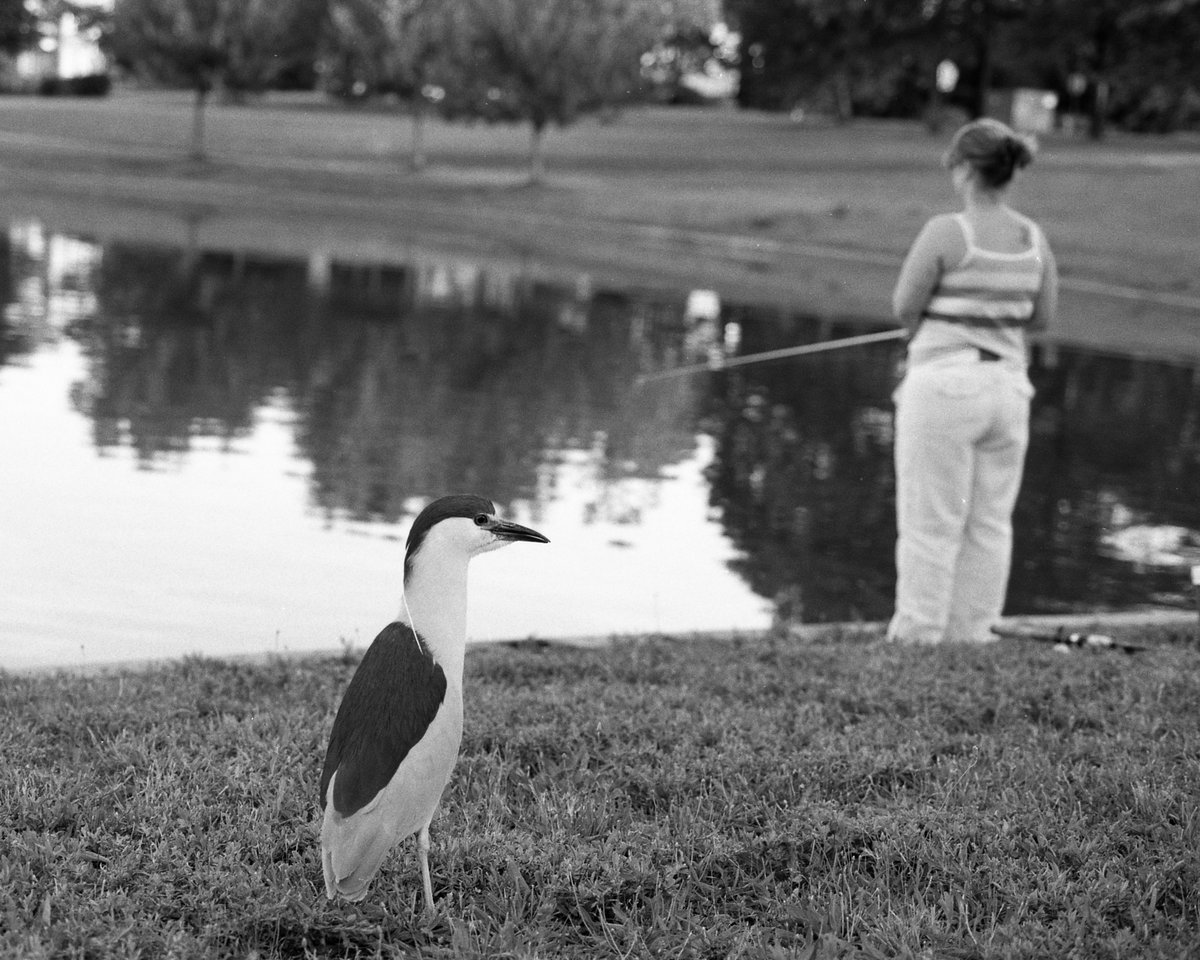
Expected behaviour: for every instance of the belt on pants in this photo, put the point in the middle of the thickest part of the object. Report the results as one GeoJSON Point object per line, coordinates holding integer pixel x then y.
{"type": "Point", "coordinates": [959, 354]}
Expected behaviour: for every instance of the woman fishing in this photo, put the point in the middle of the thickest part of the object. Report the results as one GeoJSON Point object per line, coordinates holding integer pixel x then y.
{"type": "Point", "coordinates": [973, 285]}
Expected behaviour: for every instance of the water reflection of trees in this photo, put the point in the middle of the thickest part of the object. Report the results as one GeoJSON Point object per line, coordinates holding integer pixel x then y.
{"type": "Point", "coordinates": [1114, 440]}
{"type": "Point", "coordinates": [186, 346]}
{"type": "Point", "coordinates": [465, 394]}
{"type": "Point", "coordinates": [412, 379]}
{"type": "Point", "coordinates": [408, 380]}
{"type": "Point", "coordinates": [14, 340]}
{"type": "Point", "coordinates": [803, 471]}
{"type": "Point", "coordinates": [43, 286]}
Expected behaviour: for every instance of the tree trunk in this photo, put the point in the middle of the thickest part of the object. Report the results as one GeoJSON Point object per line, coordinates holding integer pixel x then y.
{"type": "Point", "coordinates": [935, 113]}
{"type": "Point", "coordinates": [197, 152]}
{"type": "Point", "coordinates": [842, 95]}
{"type": "Point", "coordinates": [416, 159]}
{"type": "Point", "coordinates": [1099, 116]}
{"type": "Point", "coordinates": [983, 54]}
{"type": "Point", "coordinates": [537, 161]}
{"type": "Point", "coordinates": [1100, 42]}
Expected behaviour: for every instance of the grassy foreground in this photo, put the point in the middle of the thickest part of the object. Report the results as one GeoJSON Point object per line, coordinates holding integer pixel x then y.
{"type": "Point", "coordinates": [751, 798]}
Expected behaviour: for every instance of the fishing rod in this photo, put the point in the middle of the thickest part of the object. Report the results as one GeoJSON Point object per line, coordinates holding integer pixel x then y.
{"type": "Point", "coordinates": [781, 354]}
{"type": "Point", "coordinates": [1062, 638]}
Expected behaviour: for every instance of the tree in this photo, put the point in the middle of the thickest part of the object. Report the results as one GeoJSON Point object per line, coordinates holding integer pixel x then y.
{"type": "Point", "coordinates": [1137, 56]}
{"type": "Point", "coordinates": [695, 37]}
{"type": "Point", "coordinates": [549, 61]}
{"type": "Point", "coordinates": [18, 26]}
{"type": "Point", "coordinates": [255, 34]}
{"type": "Point", "coordinates": [389, 47]}
{"type": "Point", "coordinates": [299, 50]}
{"type": "Point", "coordinates": [1157, 81]}
{"type": "Point", "coordinates": [855, 43]}
{"type": "Point", "coordinates": [983, 21]}
{"type": "Point", "coordinates": [202, 44]}
{"type": "Point", "coordinates": [839, 51]}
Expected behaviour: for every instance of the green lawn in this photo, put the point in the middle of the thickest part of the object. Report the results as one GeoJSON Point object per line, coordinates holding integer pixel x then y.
{"type": "Point", "coordinates": [746, 798]}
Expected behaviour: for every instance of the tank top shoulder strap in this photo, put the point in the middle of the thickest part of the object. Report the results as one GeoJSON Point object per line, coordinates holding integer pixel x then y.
{"type": "Point", "coordinates": [1037, 243]}
{"type": "Point", "coordinates": [973, 248]}
{"type": "Point", "coordinates": [968, 234]}
{"type": "Point", "coordinates": [968, 237]}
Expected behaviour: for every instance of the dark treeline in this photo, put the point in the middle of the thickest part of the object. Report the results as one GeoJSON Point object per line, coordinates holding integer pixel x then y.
{"type": "Point", "coordinates": [1130, 62]}
{"type": "Point", "coordinates": [548, 62]}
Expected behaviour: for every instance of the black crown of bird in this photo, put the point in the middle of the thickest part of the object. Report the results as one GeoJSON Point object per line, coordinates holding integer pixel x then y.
{"type": "Point", "coordinates": [396, 734]}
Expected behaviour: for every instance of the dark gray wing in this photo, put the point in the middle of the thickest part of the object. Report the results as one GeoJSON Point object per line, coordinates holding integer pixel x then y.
{"type": "Point", "coordinates": [391, 701]}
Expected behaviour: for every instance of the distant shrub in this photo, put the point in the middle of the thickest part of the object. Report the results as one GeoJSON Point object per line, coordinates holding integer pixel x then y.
{"type": "Point", "coordinates": [90, 85]}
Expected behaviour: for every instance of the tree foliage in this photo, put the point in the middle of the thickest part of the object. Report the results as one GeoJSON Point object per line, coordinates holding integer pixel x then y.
{"type": "Point", "coordinates": [540, 62]}
{"type": "Point", "coordinates": [203, 45]}
{"type": "Point", "coordinates": [234, 44]}
{"type": "Point", "coordinates": [383, 46]}
{"type": "Point", "coordinates": [18, 26]}
{"type": "Point", "coordinates": [389, 47]}
{"type": "Point", "coordinates": [831, 53]}
{"type": "Point", "coordinates": [1137, 57]}
{"type": "Point", "coordinates": [547, 62]}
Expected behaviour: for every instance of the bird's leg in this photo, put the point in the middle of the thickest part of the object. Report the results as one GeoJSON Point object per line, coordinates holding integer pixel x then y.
{"type": "Point", "coordinates": [423, 855]}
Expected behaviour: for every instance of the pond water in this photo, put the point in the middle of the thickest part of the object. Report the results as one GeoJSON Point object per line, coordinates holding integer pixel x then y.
{"type": "Point", "coordinates": [219, 451]}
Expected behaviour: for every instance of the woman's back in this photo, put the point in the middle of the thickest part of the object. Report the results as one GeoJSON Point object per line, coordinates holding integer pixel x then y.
{"type": "Point", "coordinates": [1000, 230]}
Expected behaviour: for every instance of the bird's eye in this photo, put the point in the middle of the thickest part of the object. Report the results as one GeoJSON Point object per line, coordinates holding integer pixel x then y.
{"type": "Point", "coordinates": [481, 519]}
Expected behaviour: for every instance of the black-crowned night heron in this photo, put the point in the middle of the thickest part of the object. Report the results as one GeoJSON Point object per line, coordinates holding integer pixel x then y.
{"type": "Point", "coordinates": [396, 735]}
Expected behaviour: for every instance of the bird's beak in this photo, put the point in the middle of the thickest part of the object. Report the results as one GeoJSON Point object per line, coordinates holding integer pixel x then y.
{"type": "Point", "coordinates": [507, 530]}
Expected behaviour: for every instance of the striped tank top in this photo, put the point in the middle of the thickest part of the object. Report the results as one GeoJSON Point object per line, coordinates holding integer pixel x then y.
{"type": "Point", "coordinates": [986, 301]}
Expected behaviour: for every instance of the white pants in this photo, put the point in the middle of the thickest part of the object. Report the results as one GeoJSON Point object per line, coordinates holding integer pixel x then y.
{"type": "Point", "coordinates": [962, 428]}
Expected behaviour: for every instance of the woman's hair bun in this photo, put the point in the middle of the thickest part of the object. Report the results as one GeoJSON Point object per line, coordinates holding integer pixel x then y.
{"type": "Point", "coordinates": [1020, 151]}
{"type": "Point", "coordinates": [992, 148]}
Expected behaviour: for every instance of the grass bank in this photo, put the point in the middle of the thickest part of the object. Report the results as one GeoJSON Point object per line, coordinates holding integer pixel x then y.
{"type": "Point", "coordinates": [750, 203]}
{"type": "Point", "coordinates": [707, 799]}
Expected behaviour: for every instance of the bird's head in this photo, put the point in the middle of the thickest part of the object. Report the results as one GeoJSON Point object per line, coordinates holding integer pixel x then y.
{"type": "Point", "coordinates": [466, 525]}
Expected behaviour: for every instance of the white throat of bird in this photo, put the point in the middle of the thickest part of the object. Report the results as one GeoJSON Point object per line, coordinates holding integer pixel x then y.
{"type": "Point", "coordinates": [435, 597]}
